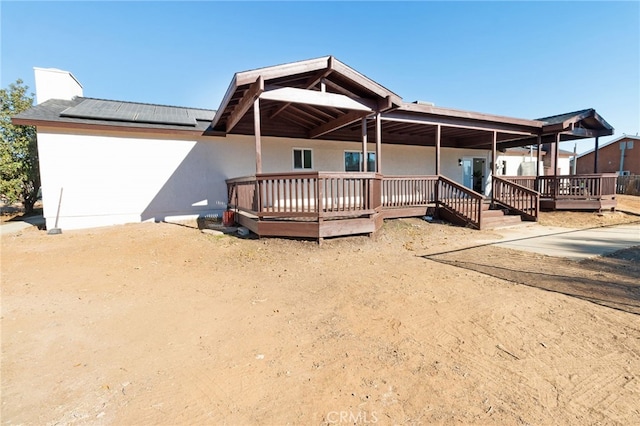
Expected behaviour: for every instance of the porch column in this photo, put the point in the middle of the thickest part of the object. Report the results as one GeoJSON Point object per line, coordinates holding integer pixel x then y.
{"type": "Point", "coordinates": [364, 144]}
{"type": "Point", "coordinates": [556, 149]}
{"type": "Point", "coordinates": [595, 157]}
{"type": "Point", "coordinates": [256, 127]}
{"type": "Point", "coordinates": [438, 135]}
{"type": "Point", "coordinates": [539, 156]}
{"type": "Point", "coordinates": [494, 142]}
{"type": "Point", "coordinates": [379, 143]}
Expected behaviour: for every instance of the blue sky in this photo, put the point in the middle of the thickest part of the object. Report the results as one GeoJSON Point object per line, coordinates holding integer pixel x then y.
{"type": "Point", "coordinates": [517, 59]}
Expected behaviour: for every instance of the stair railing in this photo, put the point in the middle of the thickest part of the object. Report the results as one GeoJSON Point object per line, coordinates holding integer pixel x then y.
{"type": "Point", "coordinates": [460, 201]}
{"type": "Point", "coordinates": [517, 198]}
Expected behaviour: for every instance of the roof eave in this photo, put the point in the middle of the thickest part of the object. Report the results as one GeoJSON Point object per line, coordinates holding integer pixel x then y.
{"type": "Point", "coordinates": [534, 125]}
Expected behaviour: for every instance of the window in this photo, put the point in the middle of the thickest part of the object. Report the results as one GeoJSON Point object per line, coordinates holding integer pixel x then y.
{"type": "Point", "coordinates": [302, 159]}
{"type": "Point", "coordinates": [353, 161]}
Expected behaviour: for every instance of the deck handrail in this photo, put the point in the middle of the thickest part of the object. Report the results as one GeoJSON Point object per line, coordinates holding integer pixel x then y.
{"type": "Point", "coordinates": [461, 201]}
{"type": "Point", "coordinates": [311, 195]}
{"type": "Point", "coordinates": [516, 197]}
{"type": "Point", "coordinates": [408, 191]}
{"type": "Point", "coordinates": [573, 187]}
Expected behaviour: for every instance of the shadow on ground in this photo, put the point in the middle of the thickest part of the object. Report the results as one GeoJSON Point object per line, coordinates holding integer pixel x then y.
{"type": "Point", "coordinates": [610, 281]}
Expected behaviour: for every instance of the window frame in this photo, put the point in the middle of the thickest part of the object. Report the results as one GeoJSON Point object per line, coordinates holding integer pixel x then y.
{"type": "Point", "coordinates": [302, 150]}
{"type": "Point", "coordinates": [375, 164]}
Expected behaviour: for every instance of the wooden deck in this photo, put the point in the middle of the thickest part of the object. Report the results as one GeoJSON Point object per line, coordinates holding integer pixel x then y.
{"type": "Point", "coordinates": [325, 204]}
{"type": "Point", "coordinates": [593, 192]}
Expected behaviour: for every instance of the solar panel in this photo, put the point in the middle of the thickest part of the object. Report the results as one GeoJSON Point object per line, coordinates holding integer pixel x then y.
{"type": "Point", "coordinates": [136, 113]}
{"type": "Point", "coordinates": [201, 114]}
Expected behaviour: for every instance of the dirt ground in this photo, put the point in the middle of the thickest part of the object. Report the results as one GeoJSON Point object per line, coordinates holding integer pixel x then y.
{"type": "Point", "coordinates": [162, 324]}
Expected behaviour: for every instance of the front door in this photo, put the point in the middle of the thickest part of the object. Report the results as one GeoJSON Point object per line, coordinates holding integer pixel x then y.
{"type": "Point", "coordinates": [473, 173]}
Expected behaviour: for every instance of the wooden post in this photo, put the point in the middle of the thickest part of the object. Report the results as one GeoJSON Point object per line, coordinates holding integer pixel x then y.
{"type": "Point", "coordinates": [364, 144]}
{"type": "Point", "coordinates": [438, 135]}
{"type": "Point", "coordinates": [437, 188]}
{"type": "Point", "coordinates": [556, 150]}
{"type": "Point", "coordinates": [256, 127]}
{"type": "Point", "coordinates": [379, 142]}
{"type": "Point", "coordinates": [595, 157]}
{"type": "Point", "coordinates": [494, 157]}
{"type": "Point", "coordinates": [536, 183]}
{"type": "Point", "coordinates": [539, 156]}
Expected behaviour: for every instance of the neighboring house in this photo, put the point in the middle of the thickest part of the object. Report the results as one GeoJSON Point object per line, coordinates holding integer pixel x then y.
{"type": "Point", "coordinates": [521, 161]}
{"type": "Point", "coordinates": [621, 155]}
{"type": "Point", "coordinates": [106, 162]}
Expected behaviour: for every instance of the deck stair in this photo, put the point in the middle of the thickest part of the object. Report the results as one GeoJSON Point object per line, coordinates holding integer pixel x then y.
{"type": "Point", "coordinates": [497, 217]}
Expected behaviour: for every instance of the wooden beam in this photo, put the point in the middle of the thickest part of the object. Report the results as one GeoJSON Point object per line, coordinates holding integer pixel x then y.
{"type": "Point", "coordinates": [279, 71]}
{"type": "Point", "coordinates": [225, 102]}
{"type": "Point", "coordinates": [318, 78]}
{"type": "Point", "coordinates": [364, 144]}
{"type": "Point", "coordinates": [245, 103]}
{"type": "Point", "coordinates": [364, 82]}
{"type": "Point", "coordinates": [256, 131]}
{"type": "Point", "coordinates": [595, 157]}
{"type": "Point", "coordinates": [312, 97]}
{"type": "Point", "coordinates": [335, 124]}
{"type": "Point", "coordinates": [494, 157]}
{"type": "Point", "coordinates": [373, 104]}
{"type": "Point", "coordinates": [401, 117]}
{"type": "Point", "coordinates": [538, 156]}
{"type": "Point", "coordinates": [555, 146]}
{"type": "Point", "coordinates": [438, 136]}
{"type": "Point", "coordinates": [378, 143]}
{"type": "Point", "coordinates": [531, 126]}
{"type": "Point", "coordinates": [587, 133]}
{"type": "Point", "coordinates": [385, 104]}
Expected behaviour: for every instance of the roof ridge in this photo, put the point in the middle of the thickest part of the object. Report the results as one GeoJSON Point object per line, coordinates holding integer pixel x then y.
{"type": "Point", "coordinates": [566, 113]}
{"type": "Point", "coordinates": [143, 103]}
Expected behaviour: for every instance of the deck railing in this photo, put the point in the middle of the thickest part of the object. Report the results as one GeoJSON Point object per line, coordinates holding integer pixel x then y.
{"type": "Point", "coordinates": [408, 191]}
{"type": "Point", "coordinates": [629, 184]}
{"type": "Point", "coordinates": [516, 197]}
{"type": "Point", "coordinates": [460, 201]}
{"type": "Point", "coordinates": [320, 195]}
{"type": "Point", "coordinates": [570, 187]}
{"type": "Point", "coordinates": [306, 194]}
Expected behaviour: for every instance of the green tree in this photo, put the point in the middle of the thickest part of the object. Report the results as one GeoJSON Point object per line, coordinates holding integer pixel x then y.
{"type": "Point", "coordinates": [19, 167]}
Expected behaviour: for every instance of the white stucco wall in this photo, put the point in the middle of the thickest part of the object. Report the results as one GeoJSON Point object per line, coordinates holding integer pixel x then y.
{"type": "Point", "coordinates": [109, 180]}
{"type": "Point", "coordinates": [52, 83]}
{"type": "Point", "coordinates": [329, 156]}
{"type": "Point", "coordinates": [564, 164]}
{"type": "Point", "coordinates": [515, 166]}
{"type": "Point", "coordinates": [117, 178]}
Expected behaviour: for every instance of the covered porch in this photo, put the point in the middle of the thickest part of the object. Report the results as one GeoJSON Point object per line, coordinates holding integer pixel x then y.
{"type": "Point", "coordinates": [328, 204]}
{"type": "Point", "coordinates": [324, 100]}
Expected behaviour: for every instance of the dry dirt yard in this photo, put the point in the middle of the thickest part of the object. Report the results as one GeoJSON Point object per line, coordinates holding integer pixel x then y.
{"type": "Point", "coordinates": [162, 324]}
